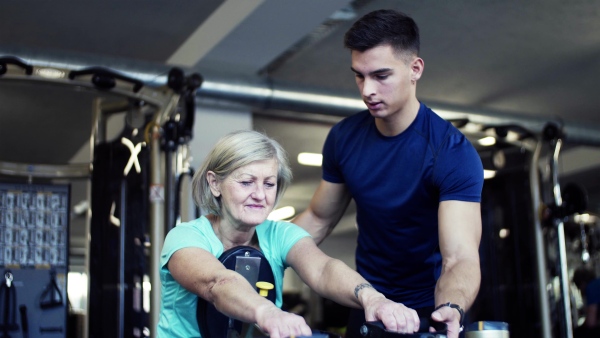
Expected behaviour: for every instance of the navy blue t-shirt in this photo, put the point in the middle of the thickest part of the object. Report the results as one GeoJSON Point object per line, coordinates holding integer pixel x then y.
{"type": "Point", "coordinates": [592, 293]}
{"type": "Point", "coordinates": [397, 184]}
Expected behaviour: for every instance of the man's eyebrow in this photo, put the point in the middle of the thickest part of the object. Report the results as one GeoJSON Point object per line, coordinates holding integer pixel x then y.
{"type": "Point", "coordinates": [375, 72]}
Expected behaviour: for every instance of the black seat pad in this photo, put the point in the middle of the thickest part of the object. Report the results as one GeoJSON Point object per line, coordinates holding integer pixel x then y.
{"type": "Point", "coordinates": [211, 322]}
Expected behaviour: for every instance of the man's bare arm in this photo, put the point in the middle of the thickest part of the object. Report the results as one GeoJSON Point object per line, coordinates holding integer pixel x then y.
{"type": "Point", "coordinates": [459, 235]}
{"type": "Point", "coordinates": [326, 208]}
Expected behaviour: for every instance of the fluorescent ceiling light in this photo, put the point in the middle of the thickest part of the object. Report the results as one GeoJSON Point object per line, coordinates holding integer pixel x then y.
{"type": "Point", "coordinates": [488, 174]}
{"type": "Point", "coordinates": [487, 141]}
{"type": "Point", "coordinates": [282, 213]}
{"type": "Point", "coordinates": [50, 73]}
{"type": "Point", "coordinates": [311, 159]}
{"type": "Point", "coordinates": [512, 136]}
{"type": "Point", "coordinates": [584, 218]}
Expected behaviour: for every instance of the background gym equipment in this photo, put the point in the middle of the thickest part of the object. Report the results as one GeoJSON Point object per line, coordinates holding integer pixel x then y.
{"type": "Point", "coordinates": [34, 228]}
{"type": "Point", "coordinates": [132, 178]}
{"type": "Point", "coordinates": [486, 329]}
{"type": "Point", "coordinates": [133, 187]}
{"type": "Point", "coordinates": [524, 254]}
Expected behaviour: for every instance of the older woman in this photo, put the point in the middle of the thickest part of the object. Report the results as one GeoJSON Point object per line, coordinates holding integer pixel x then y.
{"type": "Point", "coordinates": [238, 185]}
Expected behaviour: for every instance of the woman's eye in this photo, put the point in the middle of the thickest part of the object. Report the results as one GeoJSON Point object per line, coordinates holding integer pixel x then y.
{"type": "Point", "coordinates": [246, 183]}
{"type": "Point", "coordinates": [270, 185]}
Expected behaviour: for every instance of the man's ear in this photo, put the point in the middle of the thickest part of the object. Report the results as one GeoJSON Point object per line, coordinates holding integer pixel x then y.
{"type": "Point", "coordinates": [213, 183]}
{"type": "Point", "coordinates": [417, 66]}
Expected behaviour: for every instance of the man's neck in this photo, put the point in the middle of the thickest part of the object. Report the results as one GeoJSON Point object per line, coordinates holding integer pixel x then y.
{"type": "Point", "coordinates": [399, 122]}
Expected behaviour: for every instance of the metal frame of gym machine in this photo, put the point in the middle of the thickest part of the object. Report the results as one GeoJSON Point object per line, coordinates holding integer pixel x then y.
{"type": "Point", "coordinates": [552, 204]}
{"type": "Point", "coordinates": [169, 148]}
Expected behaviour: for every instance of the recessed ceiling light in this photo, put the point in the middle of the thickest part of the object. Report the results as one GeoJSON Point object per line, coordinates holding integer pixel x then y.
{"type": "Point", "coordinates": [282, 213]}
{"type": "Point", "coordinates": [487, 141]}
{"type": "Point", "coordinates": [311, 159]}
{"type": "Point", "coordinates": [487, 174]}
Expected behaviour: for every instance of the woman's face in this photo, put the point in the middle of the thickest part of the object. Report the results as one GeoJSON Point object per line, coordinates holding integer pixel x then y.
{"type": "Point", "coordinates": [248, 194]}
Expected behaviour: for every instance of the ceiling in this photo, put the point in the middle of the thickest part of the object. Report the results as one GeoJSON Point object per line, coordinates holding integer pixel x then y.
{"type": "Point", "coordinates": [535, 61]}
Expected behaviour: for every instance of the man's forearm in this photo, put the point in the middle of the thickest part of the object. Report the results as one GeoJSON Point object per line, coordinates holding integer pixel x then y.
{"type": "Point", "coordinates": [459, 283]}
{"type": "Point", "coordinates": [313, 225]}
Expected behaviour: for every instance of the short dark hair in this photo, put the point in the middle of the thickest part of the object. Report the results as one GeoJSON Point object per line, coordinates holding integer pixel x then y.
{"type": "Point", "coordinates": [583, 276]}
{"type": "Point", "coordinates": [381, 27]}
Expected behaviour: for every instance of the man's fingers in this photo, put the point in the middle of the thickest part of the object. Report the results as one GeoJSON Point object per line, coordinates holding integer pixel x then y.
{"type": "Point", "coordinates": [412, 320]}
{"type": "Point", "coordinates": [437, 316]}
{"type": "Point", "coordinates": [445, 315]}
{"type": "Point", "coordinates": [402, 320]}
{"type": "Point", "coordinates": [306, 331]}
{"type": "Point", "coordinates": [416, 320]}
{"type": "Point", "coordinates": [409, 325]}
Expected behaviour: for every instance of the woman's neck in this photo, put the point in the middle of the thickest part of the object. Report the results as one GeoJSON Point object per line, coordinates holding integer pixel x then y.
{"type": "Point", "coordinates": [230, 236]}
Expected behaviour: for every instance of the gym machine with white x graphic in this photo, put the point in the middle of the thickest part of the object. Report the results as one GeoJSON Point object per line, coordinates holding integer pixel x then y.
{"type": "Point", "coordinates": [134, 181]}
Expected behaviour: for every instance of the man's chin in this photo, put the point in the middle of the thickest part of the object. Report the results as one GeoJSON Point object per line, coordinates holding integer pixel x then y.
{"type": "Point", "coordinates": [377, 112]}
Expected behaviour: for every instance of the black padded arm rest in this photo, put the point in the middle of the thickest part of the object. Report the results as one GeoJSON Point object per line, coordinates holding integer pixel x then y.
{"type": "Point", "coordinates": [377, 330]}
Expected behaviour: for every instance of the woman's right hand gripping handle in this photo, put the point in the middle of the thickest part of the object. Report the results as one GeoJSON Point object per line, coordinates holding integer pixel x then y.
{"type": "Point", "coordinates": [280, 324]}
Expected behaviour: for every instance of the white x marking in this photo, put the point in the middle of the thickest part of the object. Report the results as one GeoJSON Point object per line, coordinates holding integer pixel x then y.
{"type": "Point", "coordinates": [133, 160]}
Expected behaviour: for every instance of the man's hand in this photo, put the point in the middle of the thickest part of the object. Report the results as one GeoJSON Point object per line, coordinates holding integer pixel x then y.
{"type": "Point", "coordinates": [449, 316]}
{"type": "Point", "coordinates": [394, 316]}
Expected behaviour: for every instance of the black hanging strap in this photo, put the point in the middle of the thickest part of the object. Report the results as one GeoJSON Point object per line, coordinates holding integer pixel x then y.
{"type": "Point", "coordinates": [8, 301]}
{"type": "Point", "coordinates": [51, 297]}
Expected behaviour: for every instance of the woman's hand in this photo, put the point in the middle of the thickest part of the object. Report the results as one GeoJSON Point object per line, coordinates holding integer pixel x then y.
{"type": "Point", "coordinates": [281, 324]}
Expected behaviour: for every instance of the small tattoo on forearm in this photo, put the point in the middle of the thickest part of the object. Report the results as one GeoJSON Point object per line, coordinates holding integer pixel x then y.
{"type": "Point", "coordinates": [360, 287]}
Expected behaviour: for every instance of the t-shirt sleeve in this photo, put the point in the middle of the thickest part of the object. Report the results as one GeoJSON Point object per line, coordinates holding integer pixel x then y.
{"type": "Point", "coordinates": [458, 170]}
{"type": "Point", "coordinates": [331, 171]}
{"type": "Point", "coordinates": [288, 235]}
{"type": "Point", "coordinates": [180, 237]}
{"type": "Point", "coordinates": [593, 292]}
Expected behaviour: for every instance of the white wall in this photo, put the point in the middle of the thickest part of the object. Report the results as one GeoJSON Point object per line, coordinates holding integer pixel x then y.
{"type": "Point", "coordinates": [210, 124]}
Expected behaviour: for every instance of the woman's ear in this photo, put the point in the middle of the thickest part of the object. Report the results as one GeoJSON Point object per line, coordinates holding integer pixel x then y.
{"type": "Point", "coordinates": [213, 183]}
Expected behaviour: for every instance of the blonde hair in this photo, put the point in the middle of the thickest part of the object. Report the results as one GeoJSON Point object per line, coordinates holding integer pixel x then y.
{"type": "Point", "coordinates": [231, 152]}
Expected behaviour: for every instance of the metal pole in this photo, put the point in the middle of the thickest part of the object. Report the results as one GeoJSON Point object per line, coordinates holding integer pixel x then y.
{"type": "Point", "coordinates": [157, 233]}
{"type": "Point", "coordinates": [534, 184]}
{"type": "Point", "coordinates": [264, 94]}
{"type": "Point", "coordinates": [562, 250]}
{"type": "Point", "coordinates": [122, 286]}
{"type": "Point", "coordinates": [170, 172]}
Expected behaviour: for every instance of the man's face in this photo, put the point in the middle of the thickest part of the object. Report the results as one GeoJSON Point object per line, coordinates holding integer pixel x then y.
{"type": "Point", "coordinates": [384, 80]}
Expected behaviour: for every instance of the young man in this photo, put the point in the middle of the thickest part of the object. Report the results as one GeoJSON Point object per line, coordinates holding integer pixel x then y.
{"type": "Point", "coordinates": [415, 179]}
{"type": "Point", "coordinates": [589, 286]}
